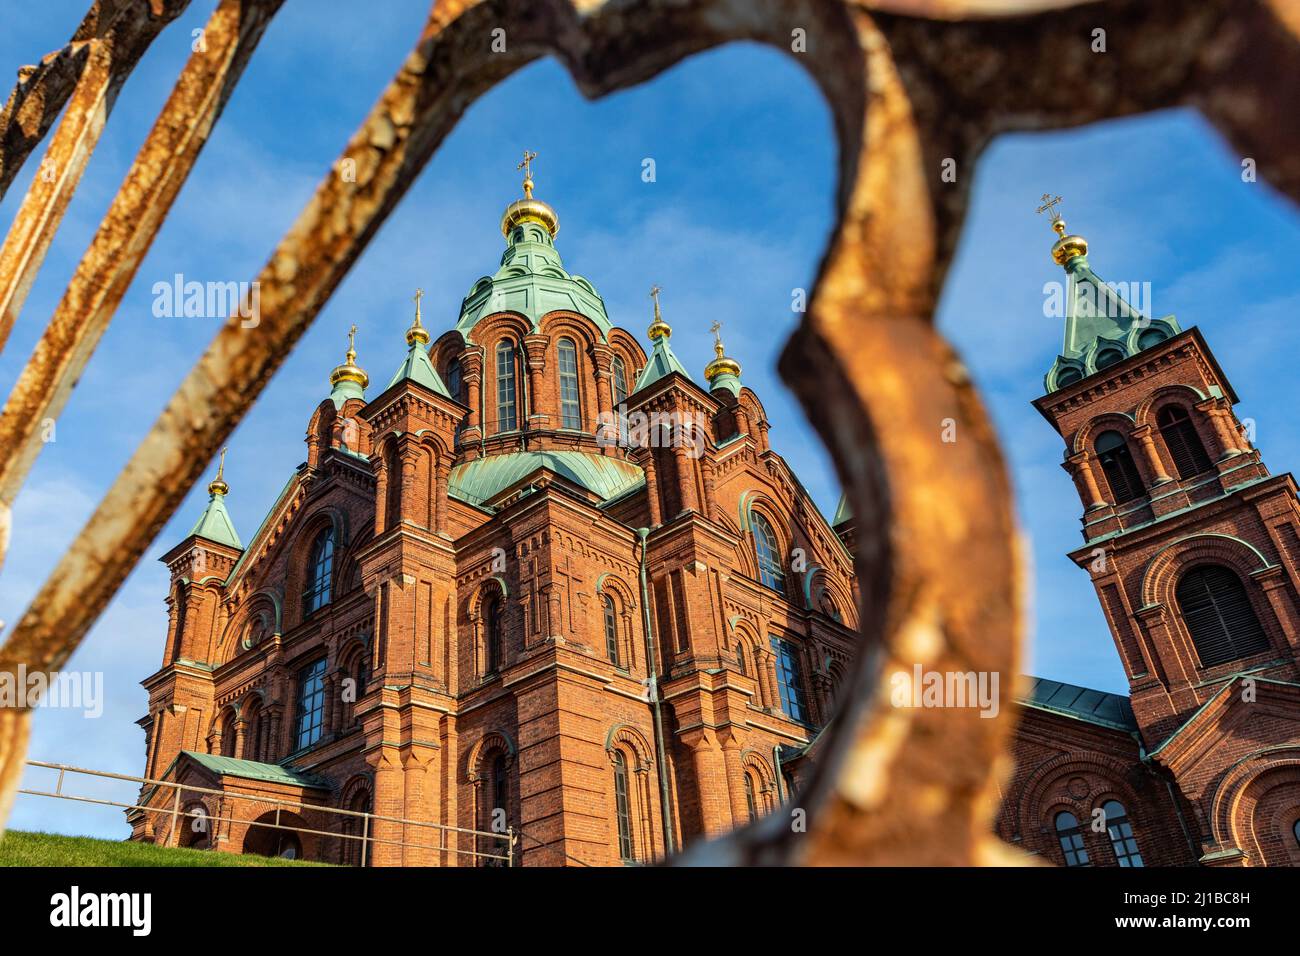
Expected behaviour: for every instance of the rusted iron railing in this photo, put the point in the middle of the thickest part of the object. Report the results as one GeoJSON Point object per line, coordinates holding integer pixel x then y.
{"type": "Point", "coordinates": [915, 86]}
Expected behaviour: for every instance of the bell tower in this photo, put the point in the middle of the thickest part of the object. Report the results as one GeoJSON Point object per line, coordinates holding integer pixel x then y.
{"type": "Point", "coordinates": [1192, 545]}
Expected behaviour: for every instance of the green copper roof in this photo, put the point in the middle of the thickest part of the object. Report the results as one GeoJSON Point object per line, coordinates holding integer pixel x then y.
{"type": "Point", "coordinates": [844, 512]}
{"type": "Point", "coordinates": [532, 281]}
{"type": "Point", "coordinates": [1101, 327]}
{"type": "Point", "coordinates": [254, 770]}
{"type": "Point", "coordinates": [1094, 706]}
{"type": "Point", "coordinates": [662, 361]}
{"type": "Point", "coordinates": [215, 524]}
{"type": "Point", "coordinates": [417, 367]}
{"type": "Point", "coordinates": [482, 479]}
{"type": "Point", "coordinates": [725, 380]}
{"type": "Point", "coordinates": [344, 390]}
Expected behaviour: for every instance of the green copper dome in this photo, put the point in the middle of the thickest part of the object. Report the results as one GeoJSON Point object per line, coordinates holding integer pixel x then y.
{"type": "Point", "coordinates": [531, 281]}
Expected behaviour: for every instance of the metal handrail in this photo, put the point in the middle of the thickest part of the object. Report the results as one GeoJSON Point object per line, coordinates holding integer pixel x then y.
{"type": "Point", "coordinates": [176, 813]}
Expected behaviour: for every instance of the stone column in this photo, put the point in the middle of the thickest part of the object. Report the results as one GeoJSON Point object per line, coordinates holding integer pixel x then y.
{"type": "Point", "coordinates": [712, 506]}
{"type": "Point", "coordinates": [685, 478]}
{"type": "Point", "coordinates": [1080, 468]}
{"type": "Point", "coordinates": [1152, 455]}
{"type": "Point", "coordinates": [443, 480]}
{"type": "Point", "coordinates": [471, 373]}
{"type": "Point", "coordinates": [652, 489]}
{"type": "Point", "coordinates": [603, 357]}
{"type": "Point", "coordinates": [536, 415]}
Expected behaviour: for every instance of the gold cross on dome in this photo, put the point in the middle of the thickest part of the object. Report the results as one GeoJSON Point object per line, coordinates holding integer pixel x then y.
{"type": "Point", "coordinates": [419, 294]}
{"type": "Point", "coordinates": [1048, 206]}
{"type": "Point", "coordinates": [654, 294]}
{"type": "Point", "coordinates": [352, 343]}
{"type": "Point", "coordinates": [716, 329]}
{"type": "Point", "coordinates": [527, 166]}
{"type": "Point", "coordinates": [221, 465]}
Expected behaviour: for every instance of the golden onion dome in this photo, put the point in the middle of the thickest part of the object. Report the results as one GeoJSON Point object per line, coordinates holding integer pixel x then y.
{"type": "Point", "coordinates": [529, 209]}
{"type": "Point", "coordinates": [1067, 247]}
{"type": "Point", "coordinates": [721, 365]}
{"type": "Point", "coordinates": [349, 371]}
{"type": "Point", "coordinates": [658, 328]}
{"type": "Point", "coordinates": [218, 486]}
{"type": "Point", "coordinates": [417, 333]}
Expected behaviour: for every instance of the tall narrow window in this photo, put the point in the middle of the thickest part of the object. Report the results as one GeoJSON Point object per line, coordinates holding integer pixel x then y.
{"type": "Point", "coordinates": [228, 736]}
{"type": "Point", "coordinates": [1183, 442]}
{"type": "Point", "coordinates": [570, 403]}
{"type": "Point", "coordinates": [492, 633]}
{"type": "Point", "coordinates": [768, 552]}
{"type": "Point", "coordinates": [320, 569]}
{"type": "Point", "coordinates": [1295, 832]}
{"type": "Point", "coordinates": [1070, 836]}
{"type": "Point", "coordinates": [1117, 464]}
{"type": "Point", "coordinates": [611, 629]}
{"type": "Point", "coordinates": [1218, 614]}
{"type": "Point", "coordinates": [507, 418]}
{"type": "Point", "coordinates": [622, 808]}
{"type": "Point", "coordinates": [620, 381]}
{"type": "Point", "coordinates": [789, 680]}
{"type": "Point", "coordinates": [311, 704]}
{"type": "Point", "coordinates": [1121, 834]}
{"type": "Point", "coordinates": [500, 788]}
{"type": "Point", "coordinates": [456, 388]}
{"type": "Point", "coordinates": [751, 803]}
{"type": "Point", "coordinates": [740, 657]}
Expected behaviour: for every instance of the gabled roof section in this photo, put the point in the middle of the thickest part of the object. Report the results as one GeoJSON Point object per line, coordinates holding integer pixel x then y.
{"type": "Point", "coordinates": [844, 512]}
{"type": "Point", "coordinates": [662, 362]}
{"type": "Point", "coordinates": [255, 770]}
{"type": "Point", "coordinates": [482, 479]}
{"type": "Point", "coordinates": [1082, 703]}
{"type": "Point", "coordinates": [215, 524]}
{"type": "Point", "coordinates": [419, 369]}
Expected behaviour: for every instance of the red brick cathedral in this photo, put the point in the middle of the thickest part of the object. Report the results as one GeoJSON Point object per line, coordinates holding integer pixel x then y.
{"type": "Point", "coordinates": [546, 591]}
{"type": "Point", "coordinates": [1194, 549]}
{"type": "Point", "coordinates": [538, 583]}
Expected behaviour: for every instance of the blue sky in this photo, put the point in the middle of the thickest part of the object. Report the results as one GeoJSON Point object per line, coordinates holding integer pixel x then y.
{"type": "Point", "coordinates": [737, 218]}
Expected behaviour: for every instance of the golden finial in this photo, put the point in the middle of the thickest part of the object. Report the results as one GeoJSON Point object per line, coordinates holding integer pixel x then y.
{"type": "Point", "coordinates": [349, 371]}
{"type": "Point", "coordinates": [529, 209]}
{"type": "Point", "coordinates": [417, 333]}
{"type": "Point", "coordinates": [721, 364]}
{"type": "Point", "coordinates": [1066, 247]}
{"type": "Point", "coordinates": [527, 167]}
{"type": "Point", "coordinates": [218, 484]}
{"type": "Point", "coordinates": [658, 327]}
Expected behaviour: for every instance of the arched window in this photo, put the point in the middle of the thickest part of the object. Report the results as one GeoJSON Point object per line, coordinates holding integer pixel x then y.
{"type": "Point", "coordinates": [740, 657]}
{"type": "Point", "coordinates": [751, 803]}
{"type": "Point", "coordinates": [500, 788]}
{"type": "Point", "coordinates": [1121, 834]}
{"type": "Point", "coordinates": [455, 380]}
{"type": "Point", "coordinates": [252, 736]}
{"type": "Point", "coordinates": [620, 381]}
{"type": "Point", "coordinates": [492, 633]}
{"type": "Point", "coordinates": [507, 417]}
{"type": "Point", "coordinates": [1117, 464]}
{"type": "Point", "coordinates": [320, 570]}
{"type": "Point", "coordinates": [611, 629]}
{"type": "Point", "coordinates": [1183, 442]}
{"type": "Point", "coordinates": [1295, 832]}
{"type": "Point", "coordinates": [1109, 357]}
{"type": "Point", "coordinates": [789, 680]}
{"type": "Point", "coordinates": [570, 402]}
{"type": "Point", "coordinates": [770, 571]}
{"type": "Point", "coordinates": [355, 849]}
{"type": "Point", "coordinates": [311, 704]}
{"type": "Point", "coordinates": [228, 735]}
{"type": "Point", "coordinates": [1219, 616]}
{"type": "Point", "coordinates": [622, 808]}
{"type": "Point", "coordinates": [1070, 836]}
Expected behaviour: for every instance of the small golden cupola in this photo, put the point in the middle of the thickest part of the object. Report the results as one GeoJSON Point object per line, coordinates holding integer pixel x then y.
{"type": "Point", "coordinates": [1066, 247]}
{"type": "Point", "coordinates": [529, 209]}
{"type": "Point", "coordinates": [658, 328]}
{"type": "Point", "coordinates": [722, 372]}
{"type": "Point", "coordinates": [349, 380]}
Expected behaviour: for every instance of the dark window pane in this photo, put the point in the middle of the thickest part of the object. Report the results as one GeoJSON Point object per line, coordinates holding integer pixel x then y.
{"type": "Point", "coordinates": [311, 704]}
{"type": "Point", "coordinates": [622, 808]}
{"type": "Point", "coordinates": [1218, 615]}
{"type": "Point", "coordinates": [1117, 464]}
{"type": "Point", "coordinates": [570, 403]}
{"type": "Point", "coordinates": [320, 567]}
{"type": "Point", "coordinates": [789, 680]}
{"type": "Point", "coordinates": [768, 551]}
{"type": "Point", "coordinates": [1183, 442]}
{"type": "Point", "coordinates": [507, 420]}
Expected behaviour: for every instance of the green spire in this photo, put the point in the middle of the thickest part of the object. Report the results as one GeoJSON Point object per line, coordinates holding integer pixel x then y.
{"type": "Point", "coordinates": [662, 360]}
{"type": "Point", "coordinates": [1101, 327]}
{"type": "Point", "coordinates": [416, 366]}
{"type": "Point", "coordinates": [215, 524]}
{"type": "Point", "coordinates": [844, 512]}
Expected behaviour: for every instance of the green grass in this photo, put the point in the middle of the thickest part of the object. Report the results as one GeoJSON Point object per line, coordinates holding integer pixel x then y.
{"type": "Point", "coordinates": [20, 848]}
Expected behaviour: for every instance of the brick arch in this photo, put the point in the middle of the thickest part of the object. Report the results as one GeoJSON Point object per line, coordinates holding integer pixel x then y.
{"type": "Point", "coordinates": [1166, 565]}
{"type": "Point", "coordinates": [447, 348]}
{"type": "Point", "coordinates": [629, 349]}
{"type": "Point", "coordinates": [1035, 801]}
{"type": "Point", "coordinates": [300, 550]}
{"type": "Point", "coordinates": [627, 738]}
{"type": "Point", "coordinates": [625, 606]}
{"type": "Point", "coordinates": [1183, 395]}
{"type": "Point", "coordinates": [781, 521]}
{"type": "Point", "coordinates": [1109, 421]}
{"type": "Point", "coordinates": [1238, 792]}
{"type": "Point", "coordinates": [489, 743]}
